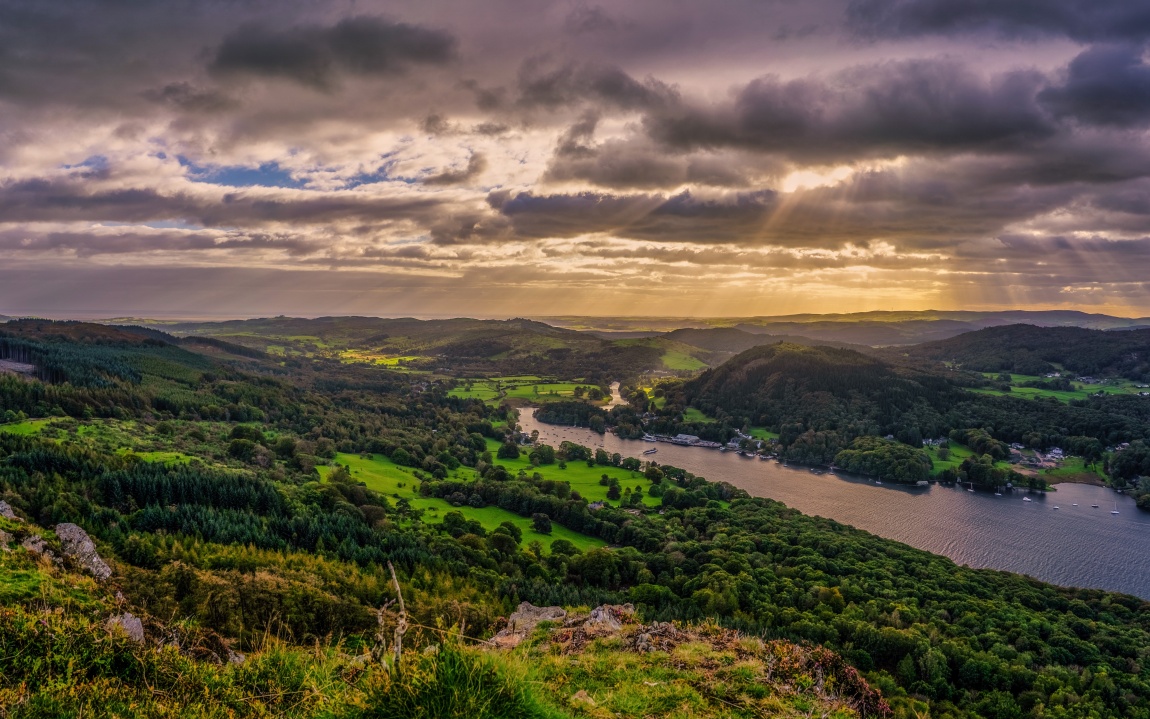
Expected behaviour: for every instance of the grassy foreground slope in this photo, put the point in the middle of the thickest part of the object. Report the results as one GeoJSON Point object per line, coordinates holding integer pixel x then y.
{"type": "Point", "coordinates": [60, 656]}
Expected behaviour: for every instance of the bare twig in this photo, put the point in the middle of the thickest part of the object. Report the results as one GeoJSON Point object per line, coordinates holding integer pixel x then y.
{"type": "Point", "coordinates": [401, 623]}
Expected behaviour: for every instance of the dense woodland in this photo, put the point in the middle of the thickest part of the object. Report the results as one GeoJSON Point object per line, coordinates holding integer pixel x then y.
{"type": "Point", "coordinates": [1030, 350]}
{"type": "Point", "coordinates": [251, 540]}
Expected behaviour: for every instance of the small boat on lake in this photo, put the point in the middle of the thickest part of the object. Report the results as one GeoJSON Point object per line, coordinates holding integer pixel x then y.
{"type": "Point", "coordinates": [651, 451]}
{"type": "Point", "coordinates": [1115, 511]}
{"type": "Point", "coordinates": [1026, 499]}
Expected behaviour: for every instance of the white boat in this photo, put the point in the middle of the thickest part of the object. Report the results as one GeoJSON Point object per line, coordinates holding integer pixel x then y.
{"type": "Point", "coordinates": [998, 494]}
{"type": "Point", "coordinates": [1094, 506]}
{"type": "Point", "coordinates": [1115, 510]}
{"type": "Point", "coordinates": [878, 481]}
{"type": "Point", "coordinates": [1056, 506]}
{"type": "Point", "coordinates": [1026, 499]}
{"type": "Point", "coordinates": [1075, 504]}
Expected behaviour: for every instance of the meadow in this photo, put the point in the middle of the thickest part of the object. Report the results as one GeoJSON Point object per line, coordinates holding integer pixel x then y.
{"type": "Point", "coordinates": [381, 475]}
{"type": "Point", "coordinates": [524, 389]}
{"type": "Point", "coordinates": [1080, 391]}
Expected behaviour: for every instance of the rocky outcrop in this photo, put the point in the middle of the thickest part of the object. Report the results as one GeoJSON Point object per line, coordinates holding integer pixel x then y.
{"type": "Point", "coordinates": [523, 621]}
{"type": "Point", "coordinates": [78, 547]}
{"type": "Point", "coordinates": [610, 617]}
{"type": "Point", "coordinates": [129, 624]}
{"type": "Point", "coordinates": [6, 511]}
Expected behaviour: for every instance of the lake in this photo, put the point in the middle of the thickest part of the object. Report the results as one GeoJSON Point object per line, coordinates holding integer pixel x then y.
{"type": "Point", "coordinates": [1074, 545]}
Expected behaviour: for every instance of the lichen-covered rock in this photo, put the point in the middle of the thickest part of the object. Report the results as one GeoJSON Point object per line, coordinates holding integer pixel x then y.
{"type": "Point", "coordinates": [523, 621]}
{"type": "Point", "coordinates": [610, 617]}
{"type": "Point", "coordinates": [78, 547]}
{"type": "Point", "coordinates": [5, 540]}
{"type": "Point", "coordinates": [35, 544]}
{"type": "Point", "coordinates": [6, 511]}
{"type": "Point", "coordinates": [129, 624]}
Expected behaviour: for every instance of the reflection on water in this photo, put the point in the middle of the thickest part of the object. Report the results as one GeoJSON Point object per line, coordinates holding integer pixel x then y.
{"type": "Point", "coordinates": [1074, 545]}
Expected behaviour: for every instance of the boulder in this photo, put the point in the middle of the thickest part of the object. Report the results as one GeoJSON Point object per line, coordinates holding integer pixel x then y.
{"type": "Point", "coordinates": [609, 617]}
{"type": "Point", "coordinates": [523, 621]}
{"type": "Point", "coordinates": [35, 544]}
{"type": "Point", "coordinates": [6, 511]}
{"type": "Point", "coordinates": [78, 547]}
{"type": "Point", "coordinates": [129, 624]}
{"type": "Point", "coordinates": [5, 540]}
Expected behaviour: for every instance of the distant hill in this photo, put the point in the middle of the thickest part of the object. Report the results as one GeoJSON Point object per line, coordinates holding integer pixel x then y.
{"type": "Point", "coordinates": [734, 340]}
{"type": "Point", "coordinates": [1026, 349]}
{"type": "Point", "coordinates": [862, 328]}
{"type": "Point", "coordinates": [788, 384]}
{"type": "Point", "coordinates": [464, 346]}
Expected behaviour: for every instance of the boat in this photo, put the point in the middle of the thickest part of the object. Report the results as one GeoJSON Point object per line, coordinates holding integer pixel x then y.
{"type": "Point", "coordinates": [1056, 506]}
{"type": "Point", "coordinates": [971, 487]}
{"type": "Point", "coordinates": [1026, 499]}
{"type": "Point", "coordinates": [998, 494]}
{"type": "Point", "coordinates": [1115, 510]}
{"type": "Point", "coordinates": [651, 451]}
{"type": "Point", "coordinates": [878, 481]}
{"type": "Point", "coordinates": [1094, 505]}
{"type": "Point", "coordinates": [1075, 504]}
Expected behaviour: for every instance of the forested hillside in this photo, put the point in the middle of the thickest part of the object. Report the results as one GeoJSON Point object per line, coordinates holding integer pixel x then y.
{"type": "Point", "coordinates": [218, 496]}
{"type": "Point", "coordinates": [1030, 350]}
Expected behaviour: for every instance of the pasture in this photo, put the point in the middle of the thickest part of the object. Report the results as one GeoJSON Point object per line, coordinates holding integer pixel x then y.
{"type": "Point", "coordinates": [382, 475]}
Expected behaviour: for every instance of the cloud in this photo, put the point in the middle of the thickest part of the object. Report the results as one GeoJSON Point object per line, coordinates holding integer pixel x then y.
{"type": "Point", "coordinates": [1105, 85]}
{"type": "Point", "coordinates": [1083, 20]}
{"type": "Point", "coordinates": [476, 164]}
{"type": "Point", "coordinates": [314, 55]}
{"type": "Point", "coordinates": [897, 107]}
{"type": "Point", "coordinates": [542, 84]}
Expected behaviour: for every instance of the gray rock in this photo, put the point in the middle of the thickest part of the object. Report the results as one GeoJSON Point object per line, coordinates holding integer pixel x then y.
{"type": "Point", "coordinates": [5, 540]}
{"type": "Point", "coordinates": [235, 657]}
{"type": "Point", "coordinates": [35, 544]}
{"type": "Point", "coordinates": [608, 617]}
{"type": "Point", "coordinates": [78, 547]}
{"type": "Point", "coordinates": [129, 624]}
{"type": "Point", "coordinates": [6, 511]}
{"type": "Point", "coordinates": [523, 621]}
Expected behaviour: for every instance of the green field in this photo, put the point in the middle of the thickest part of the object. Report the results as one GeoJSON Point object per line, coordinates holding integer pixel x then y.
{"type": "Point", "coordinates": [762, 433]}
{"type": "Point", "coordinates": [1074, 469]}
{"type": "Point", "coordinates": [27, 427]}
{"type": "Point", "coordinates": [583, 479]}
{"type": "Point", "coordinates": [695, 415]}
{"type": "Point", "coordinates": [525, 389]}
{"type": "Point", "coordinates": [676, 360]}
{"type": "Point", "coordinates": [958, 452]}
{"type": "Point", "coordinates": [1080, 391]}
{"type": "Point", "coordinates": [384, 476]}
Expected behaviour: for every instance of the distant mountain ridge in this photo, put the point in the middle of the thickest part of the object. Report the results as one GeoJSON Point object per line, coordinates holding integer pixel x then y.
{"type": "Point", "coordinates": [880, 328]}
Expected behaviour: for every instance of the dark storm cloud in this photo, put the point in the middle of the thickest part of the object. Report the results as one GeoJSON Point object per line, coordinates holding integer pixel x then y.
{"type": "Point", "coordinates": [187, 97]}
{"type": "Point", "coordinates": [476, 164]}
{"type": "Point", "coordinates": [544, 84]}
{"type": "Point", "coordinates": [681, 217]}
{"type": "Point", "coordinates": [1105, 85]}
{"type": "Point", "coordinates": [1083, 20]}
{"type": "Point", "coordinates": [911, 106]}
{"type": "Point", "coordinates": [313, 55]}
{"type": "Point", "coordinates": [70, 199]}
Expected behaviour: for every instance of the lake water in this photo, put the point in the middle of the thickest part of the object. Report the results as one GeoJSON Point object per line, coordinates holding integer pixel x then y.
{"type": "Point", "coordinates": [1072, 545]}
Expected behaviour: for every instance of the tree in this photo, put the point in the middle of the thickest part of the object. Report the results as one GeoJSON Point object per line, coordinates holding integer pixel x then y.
{"type": "Point", "coordinates": [613, 492]}
{"type": "Point", "coordinates": [541, 523]}
{"type": "Point", "coordinates": [508, 450]}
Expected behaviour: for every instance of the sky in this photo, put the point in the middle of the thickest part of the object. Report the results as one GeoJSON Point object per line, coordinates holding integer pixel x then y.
{"type": "Point", "coordinates": [234, 158]}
